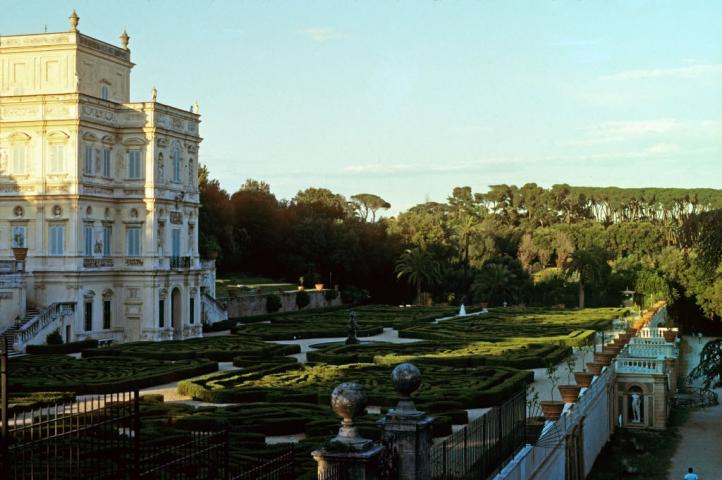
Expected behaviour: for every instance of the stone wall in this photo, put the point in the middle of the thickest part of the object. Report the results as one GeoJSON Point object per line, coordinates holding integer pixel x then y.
{"type": "Point", "coordinates": [250, 305]}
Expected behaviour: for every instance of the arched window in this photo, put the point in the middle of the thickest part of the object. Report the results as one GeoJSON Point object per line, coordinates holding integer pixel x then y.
{"type": "Point", "coordinates": [176, 161]}
{"type": "Point", "coordinates": [104, 92]}
{"type": "Point", "coordinates": [20, 151]}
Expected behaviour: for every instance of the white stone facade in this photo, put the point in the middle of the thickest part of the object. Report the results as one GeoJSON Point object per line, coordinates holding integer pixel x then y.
{"type": "Point", "coordinates": [102, 191]}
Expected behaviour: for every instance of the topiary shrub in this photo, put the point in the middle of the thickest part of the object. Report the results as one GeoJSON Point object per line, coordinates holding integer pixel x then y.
{"type": "Point", "coordinates": [273, 303]}
{"type": "Point", "coordinates": [330, 295]}
{"type": "Point", "coordinates": [54, 338]}
{"type": "Point", "coordinates": [302, 299]}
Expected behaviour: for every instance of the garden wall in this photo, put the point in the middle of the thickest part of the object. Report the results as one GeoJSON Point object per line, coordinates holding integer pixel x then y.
{"type": "Point", "coordinates": [249, 305]}
{"type": "Point", "coordinates": [548, 458]}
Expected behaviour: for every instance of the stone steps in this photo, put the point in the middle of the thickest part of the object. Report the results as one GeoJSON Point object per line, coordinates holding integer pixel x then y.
{"type": "Point", "coordinates": [10, 333]}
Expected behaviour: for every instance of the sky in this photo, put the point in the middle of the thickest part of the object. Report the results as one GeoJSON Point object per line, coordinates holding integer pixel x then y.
{"type": "Point", "coordinates": [408, 99]}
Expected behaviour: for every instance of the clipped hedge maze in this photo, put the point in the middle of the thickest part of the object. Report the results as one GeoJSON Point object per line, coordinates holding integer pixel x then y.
{"type": "Point", "coordinates": [568, 327]}
{"type": "Point", "coordinates": [98, 374]}
{"type": "Point", "coordinates": [372, 319]}
{"type": "Point", "coordinates": [458, 354]}
{"type": "Point", "coordinates": [219, 349]}
{"type": "Point", "coordinates": [471, 387]}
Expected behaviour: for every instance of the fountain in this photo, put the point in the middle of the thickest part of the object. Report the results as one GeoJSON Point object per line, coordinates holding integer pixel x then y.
{"type": "Point", "coordinates": [462, 311]}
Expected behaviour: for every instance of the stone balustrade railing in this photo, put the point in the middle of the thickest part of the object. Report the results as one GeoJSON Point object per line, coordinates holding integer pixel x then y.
{"type": "Point", "coordinates": [648, 341]}
{"type": "Point", "coordinates": [639, 365]}
{"type": "Point", "coordinates": [652, 332]}
{"type": "Point", "coordinates": [661, 350]}
{"type": "Point", "coordinates": [53, 313]}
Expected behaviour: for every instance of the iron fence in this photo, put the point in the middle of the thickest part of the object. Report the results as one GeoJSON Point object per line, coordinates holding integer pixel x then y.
{"type": "Point", "coordinates": [278, 468]}
{"type": "Point", "coordinates": [197, 455]}
{"type": "Point", "coordinates": [479, 449]}
{"type": "Point", "coordinates": [92, 439]}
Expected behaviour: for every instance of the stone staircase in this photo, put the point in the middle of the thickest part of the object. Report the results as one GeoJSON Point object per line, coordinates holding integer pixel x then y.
{"type": "Point", "coordinates": [9, 334]}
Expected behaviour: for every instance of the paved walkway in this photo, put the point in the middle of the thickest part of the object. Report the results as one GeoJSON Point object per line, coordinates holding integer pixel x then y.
{"type": "Point", "coordinates": [701, 443]}
{"type": "Point", "coordinates": [389, 335]}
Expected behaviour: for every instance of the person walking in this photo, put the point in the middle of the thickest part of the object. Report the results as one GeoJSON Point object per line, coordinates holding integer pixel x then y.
{"type": "Point", "coordinates": [691, 475]}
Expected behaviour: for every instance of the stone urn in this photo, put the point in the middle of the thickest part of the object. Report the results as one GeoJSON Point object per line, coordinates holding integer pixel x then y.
{"type": "Point", "coordinates": [406, 379]}
{"type": "Point", "coordinates": [669, 335]}
{"type": "Point", "coordinates": [20, 253]}
{"type": "Point", "coordinates": [349, 401]}
{"type": "Point", "coordinates": [552, 409]}
{"type": "Point", "coordinates": [595, 368]}
{"type": "Point", "coordinates": [569, 393]}
{"type": "Point", "coordinates": [584, 379]}
{"type": "Point", "coordinates": [533, 428]}
{"type": "Point", "coordinates": [318, 286]}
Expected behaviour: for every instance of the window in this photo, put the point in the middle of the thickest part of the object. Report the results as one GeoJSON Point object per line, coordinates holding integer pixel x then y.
{"type": "Point", "coordinates": [88, 316]}
{"type": "Point", "coordinates": [57, 239]}
{"type": "Point", "coordinates": [175, 239]}
{"type": "Point", "coordinates": [19, 236]}
{"type": "Point", "coordinates": [104, 92]}
{"type": "Point", "coordinates": [88, 166]}
{"type": "Point", "coordinates": [106, 162]}
{"type": "Point", "coordinates": [107, 235]}
{"type": "Point", "coordinates": [193, 311]}
{"type": "Point", "coordinates": [57, 158]}
{"type": "Point", "coordinates": [161, 313]}
{"type": "Point", "coordinates": [134, 241]}
{"type": "Point", "coordinates": [176, 161]}
{"type": "Point", "coordinates": [106, 314]}
{"type": "Point", "coordinates": [88, 240]}
{"type": "Point", "coordinates": [19, 154]}
{"type": "Point", "coordinates": [134, 164]}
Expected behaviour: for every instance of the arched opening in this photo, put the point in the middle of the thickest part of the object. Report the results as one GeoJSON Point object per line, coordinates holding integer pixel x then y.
{"type": "Point", "coordinates": [176, 311]}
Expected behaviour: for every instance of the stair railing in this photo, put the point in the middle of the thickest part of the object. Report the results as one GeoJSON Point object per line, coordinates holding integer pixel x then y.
{"type": "Point", "coordinates": [51, 314]}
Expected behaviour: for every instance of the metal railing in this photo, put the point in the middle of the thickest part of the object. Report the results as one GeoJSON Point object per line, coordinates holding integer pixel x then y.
{"type": "Point", "coordinates": [91, 262]}
{"type": "Point", "coordinates": [278, 468]}
{"type": "Point", "coordinates": [178, 263]}
{"type": "Point", "coordinates": [478, 449]}
{"type": "Point", "coordinates": [53, 313]}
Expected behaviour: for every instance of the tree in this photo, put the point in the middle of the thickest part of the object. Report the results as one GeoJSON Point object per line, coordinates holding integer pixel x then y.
{"type": "Point", "coordinates": [709, 368]}
{"type": "Point", "coordinates": [419, 268]}
{"type": "Point", "coordinates": [527, 252]}
{"type": "Point", "coordinates": [365, 203]}
{"type": "Point", "coordinates": [495, 284]}
{"type": "Point", "coordinates": [589, 266]}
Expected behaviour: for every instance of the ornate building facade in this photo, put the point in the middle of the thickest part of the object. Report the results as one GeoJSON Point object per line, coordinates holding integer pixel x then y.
{"type": "Point", "coordinates": [102, 191]}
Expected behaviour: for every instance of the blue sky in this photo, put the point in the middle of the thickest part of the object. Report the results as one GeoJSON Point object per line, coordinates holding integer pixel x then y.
{"type": "Point", "coordinates": [409, 99]}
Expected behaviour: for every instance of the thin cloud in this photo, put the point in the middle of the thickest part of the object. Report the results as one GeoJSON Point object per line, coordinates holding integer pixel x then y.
{"type": "Point", "coordinates": [692, 71]}
{"type": "Point", "coordinates": [322, 34]}
{"type": "Point", "coordinates": [578, 42]}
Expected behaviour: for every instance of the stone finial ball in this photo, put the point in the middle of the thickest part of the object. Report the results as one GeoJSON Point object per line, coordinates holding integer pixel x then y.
{"type": "Point", "coordinates": [349, 400]}
{"type": "Point", "coordinates": [406, 378]}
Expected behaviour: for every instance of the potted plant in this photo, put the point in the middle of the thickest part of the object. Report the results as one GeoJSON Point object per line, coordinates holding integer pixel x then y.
{"type": "Point", "coordinates": [534, 418]}
{"type": "Point", "coordinates": [20, 251]}
{"type": "Point", "coordinates": [317, 283]}
{"type": "Point", "coordinates": [584, 378]}
{"type": "Point", "coordinates": [570, 392]}
{"type": "Point", "coordinates": [552, 409]}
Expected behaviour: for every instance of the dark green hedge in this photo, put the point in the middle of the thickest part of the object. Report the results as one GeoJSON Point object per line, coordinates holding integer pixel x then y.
{"type": "Point", "coordinates": [71, 347]}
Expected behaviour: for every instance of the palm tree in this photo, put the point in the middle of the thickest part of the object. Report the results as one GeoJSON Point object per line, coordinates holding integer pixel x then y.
{"type": "Point", "coordinates": [495, 283]}
{"type": "Point", "coordinates": [588, 265]}
{"type": "Point", "coordinates": [419, 268]}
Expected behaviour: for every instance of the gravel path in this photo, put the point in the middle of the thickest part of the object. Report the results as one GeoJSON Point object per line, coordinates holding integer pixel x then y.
{"type": "Point", "coordinates": [701, 443]}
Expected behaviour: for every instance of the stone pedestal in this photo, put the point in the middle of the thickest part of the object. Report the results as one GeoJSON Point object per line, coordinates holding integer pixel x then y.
{"type": "Point", "coordinates": [349, 465]}
{"type": "Point", "coordinates": [407, 435]}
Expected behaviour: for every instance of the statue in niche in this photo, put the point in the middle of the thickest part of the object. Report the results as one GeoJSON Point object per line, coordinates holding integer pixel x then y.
{"type": "Point", "coordinates": [160, 167]}
{"type": "Point", "coordinates": [98, 246]}
{"type": "Point", "coordinates": [636, 408]}
{"type": "Point", "coordinates": [160, 241]}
